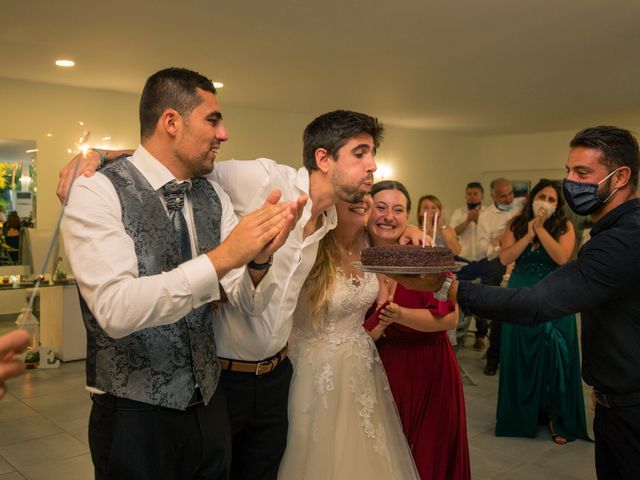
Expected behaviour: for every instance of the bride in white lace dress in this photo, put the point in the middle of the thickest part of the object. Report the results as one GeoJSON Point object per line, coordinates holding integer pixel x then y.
{"type": "Point", "coordinates": [343, 423]}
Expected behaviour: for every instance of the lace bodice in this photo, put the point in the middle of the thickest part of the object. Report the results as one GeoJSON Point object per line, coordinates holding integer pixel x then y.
{"type": "Point", "coordinates": [350, 300]}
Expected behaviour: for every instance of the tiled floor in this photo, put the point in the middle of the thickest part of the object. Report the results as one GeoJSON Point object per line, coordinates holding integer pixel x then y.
{"type": "Point", "coordinates": [43, 431]}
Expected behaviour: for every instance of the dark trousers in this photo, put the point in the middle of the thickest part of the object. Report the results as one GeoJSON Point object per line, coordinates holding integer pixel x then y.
{"type": "Point", "coordinates": [131, 440]}
{"type": "Point", "coordinates": [489, 272]}
{"type": "Point", "coordinates": [617, 435]}
{"type": "Point", "coordinates": [493, 352]}
{"type": "Point", "coordinates": [258, 411]}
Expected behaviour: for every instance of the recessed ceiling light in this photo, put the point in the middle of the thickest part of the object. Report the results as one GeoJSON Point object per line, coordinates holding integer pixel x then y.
{"type": "Point", "coordinates": [218, 84]}
{"type": "Point", "coordinates": [65, 63]}
{"type": "Point", "coordinates": [33, 150]}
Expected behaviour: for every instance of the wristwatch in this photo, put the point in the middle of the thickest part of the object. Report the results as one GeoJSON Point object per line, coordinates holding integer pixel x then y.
{"type": "Point", "coordinates": [261, 266]}
{"type": "Point", "coordinates": [443, 293]}
{"type": "Point", "coordinates": [103, 158]}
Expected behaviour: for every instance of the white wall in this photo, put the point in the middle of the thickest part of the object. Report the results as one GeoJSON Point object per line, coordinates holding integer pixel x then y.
{"type": "Point", "coordinates": [426, 162]}
{"type": "Point", "coordinates": [439, 164]}
{"type": "Point", "coordinates": [32, 110]}
{"type": "Point", "coordinates": [421, 160]}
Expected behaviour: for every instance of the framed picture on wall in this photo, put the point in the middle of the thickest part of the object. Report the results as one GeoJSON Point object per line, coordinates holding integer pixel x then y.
{"type": "Point", "coordinates": [520, 188]}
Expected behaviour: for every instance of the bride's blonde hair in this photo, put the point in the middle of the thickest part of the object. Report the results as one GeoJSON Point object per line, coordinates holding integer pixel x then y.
{"type": "Point", "coordinates": [321, 281]}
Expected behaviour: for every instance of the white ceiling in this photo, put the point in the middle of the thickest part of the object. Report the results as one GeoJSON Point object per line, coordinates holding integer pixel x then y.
{"type": "Point", "coordinates": [472, 66]}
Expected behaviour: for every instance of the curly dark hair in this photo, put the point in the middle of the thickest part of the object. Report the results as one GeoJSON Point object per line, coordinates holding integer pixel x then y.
{"type": "Point", "coordinates": [556, 225]}
{"type": "Point", "coordinates": [333, 129]}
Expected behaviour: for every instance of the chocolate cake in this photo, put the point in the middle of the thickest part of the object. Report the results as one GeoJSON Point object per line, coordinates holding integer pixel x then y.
{"type": "Point", "coordinates": [407, 256]}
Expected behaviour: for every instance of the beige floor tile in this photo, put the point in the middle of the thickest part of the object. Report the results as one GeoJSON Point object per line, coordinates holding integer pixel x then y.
{"type": "Point", "coordinates": [14, 411]}
{"type": "Point", "coordinates": [82, 434]}
{"type": "Point", "coordinates": [75, 468]}
{"type": "Point", "coordinates": [12, 476]}
{"type": "Point", "coordinates": [27, 428]}
{"type": "Point", "coordinates": [531, 471]}
{"type": "Point", "coordinates": [5, 467]}
{"type": "Point", "coordinates": [575, 459]}
{"type": "Point", "coordinates": [42, 450]}
{"type": "Point", "coordinates": [486, 465]}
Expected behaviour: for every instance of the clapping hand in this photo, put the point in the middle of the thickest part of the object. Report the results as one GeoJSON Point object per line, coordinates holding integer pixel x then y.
{"type": "Point", "coordinates": [295, 212]}
{"type": "Point", "coordinates": [473, 214]}
{"type": "Point", "coordinates": [541, 216]}
{"type": "Point", "coordinates": [256, 236]}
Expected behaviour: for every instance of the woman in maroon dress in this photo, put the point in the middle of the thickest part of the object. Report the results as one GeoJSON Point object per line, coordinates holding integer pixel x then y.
{"type": "Point", "coordinates": [417, 355]}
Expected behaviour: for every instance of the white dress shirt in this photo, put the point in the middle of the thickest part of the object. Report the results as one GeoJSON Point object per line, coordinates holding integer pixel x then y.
{"type": "Point", "coordinates": [491, 225]}
{"type": "Point", "coordinates": [255, 337]}
{"type": "Point", "coordinates": [469, 237]}
{"type": "Point", "coordinates": [103, 259]}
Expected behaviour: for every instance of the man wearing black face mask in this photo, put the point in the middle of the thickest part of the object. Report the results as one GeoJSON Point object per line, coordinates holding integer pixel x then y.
{"type": "Point", "coordinates": [465, 221]}
{"type": "Point", "coordinates": [603, 284]}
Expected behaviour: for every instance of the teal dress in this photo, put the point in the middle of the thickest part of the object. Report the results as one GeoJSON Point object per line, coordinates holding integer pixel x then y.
{"type": "Point", "coordinates": [539, 366]}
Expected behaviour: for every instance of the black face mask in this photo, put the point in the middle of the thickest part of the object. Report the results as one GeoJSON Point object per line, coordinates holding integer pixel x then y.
{"type": "Point", "coordinates": [471, 206]}
{"type": "Point", "coordinates": [583, 198]}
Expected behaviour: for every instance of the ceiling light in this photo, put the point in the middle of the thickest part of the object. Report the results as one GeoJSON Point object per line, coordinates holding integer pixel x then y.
{"type": "Point", "coordinates": [104, 139]}
{"type": "Point", "coordinates": [33, 150]}
{"type": "Point", "coordinates": [65, 63]}
{"type": "Point", "coordinates": [218, 84]}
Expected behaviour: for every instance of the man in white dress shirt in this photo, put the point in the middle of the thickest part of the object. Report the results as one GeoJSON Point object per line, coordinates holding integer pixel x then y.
{"type": "Point", "coordinates": [465, 221]}
{"type": "Point", "coordinates": [148, 239]}
{"type": "Point", "coordinates": [338, 157]}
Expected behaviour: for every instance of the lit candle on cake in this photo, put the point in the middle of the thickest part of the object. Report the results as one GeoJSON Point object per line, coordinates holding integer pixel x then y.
{"type": "Point", "coordinates": [424, 229]}
{"type": "Point", "coordinates": [433, 232]}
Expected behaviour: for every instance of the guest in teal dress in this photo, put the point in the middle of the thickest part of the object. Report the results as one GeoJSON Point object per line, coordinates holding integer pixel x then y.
{"type": "Point", "coordinates": [540, 366]}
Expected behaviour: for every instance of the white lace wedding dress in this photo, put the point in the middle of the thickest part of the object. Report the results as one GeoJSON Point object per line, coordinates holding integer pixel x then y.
{"type": "Point", "coordinates": [343, 423]}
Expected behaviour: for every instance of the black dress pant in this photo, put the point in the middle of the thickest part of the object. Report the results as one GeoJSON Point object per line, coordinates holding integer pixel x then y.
{"type": "Point", "coordinates": [131, 440]}
{"type": "Point", "coordinates": [617, 432]}
{"type": "Point", "coordinates": [495, 273]}
{"type": "Point", "coordinates": [258, 411]}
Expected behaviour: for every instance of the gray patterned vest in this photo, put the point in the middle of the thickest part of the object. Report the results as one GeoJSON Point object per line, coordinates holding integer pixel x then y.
{"type": "Point", "coordinates": [157, 365]}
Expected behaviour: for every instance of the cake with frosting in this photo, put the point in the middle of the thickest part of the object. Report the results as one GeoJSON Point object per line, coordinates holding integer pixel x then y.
{"type": "Point", "coordinates": [407, 256]}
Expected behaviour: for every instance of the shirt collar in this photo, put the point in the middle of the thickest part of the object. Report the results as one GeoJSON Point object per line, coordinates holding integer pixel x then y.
{"type": "Point", "coordinates": [152, 169]}
{"type": "Point", "coordinates": [302, 180]}
{"type": "Point", "coordinates": [612, 217]}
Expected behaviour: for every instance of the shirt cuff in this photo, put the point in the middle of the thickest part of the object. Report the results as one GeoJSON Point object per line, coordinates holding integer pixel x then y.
{"type": "Point", "coordinates": [463, 295]}
{"type": "Point", "coordinates": [261, 293]}
{"type": "Point", "coordinates": [202, 278]}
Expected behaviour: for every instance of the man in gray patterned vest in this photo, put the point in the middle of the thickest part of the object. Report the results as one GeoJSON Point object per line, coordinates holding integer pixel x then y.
{"type": "Point", "coordinates": [144, 240]}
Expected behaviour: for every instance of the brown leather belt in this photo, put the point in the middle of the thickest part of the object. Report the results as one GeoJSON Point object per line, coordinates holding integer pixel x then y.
{"type": "Point", "coordinates": [257, 368]}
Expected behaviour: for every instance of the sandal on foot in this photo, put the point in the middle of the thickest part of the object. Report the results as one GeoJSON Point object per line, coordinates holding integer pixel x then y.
{"type": "Point", "coordinates": [556, 437]}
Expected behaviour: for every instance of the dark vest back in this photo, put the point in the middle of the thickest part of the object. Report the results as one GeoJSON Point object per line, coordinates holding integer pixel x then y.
{"type": "Point", "coordinates": [157, 365]}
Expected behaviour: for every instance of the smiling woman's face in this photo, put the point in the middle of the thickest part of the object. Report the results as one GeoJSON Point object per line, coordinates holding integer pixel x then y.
{"type": "Point", "coordinates": [388, 217]}
{"type": "Point", "coordinates": [354, 214]}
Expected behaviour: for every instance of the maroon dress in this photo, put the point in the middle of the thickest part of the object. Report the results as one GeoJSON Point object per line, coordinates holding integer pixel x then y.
{"type": "Point", "coordinates": [425, 380]}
